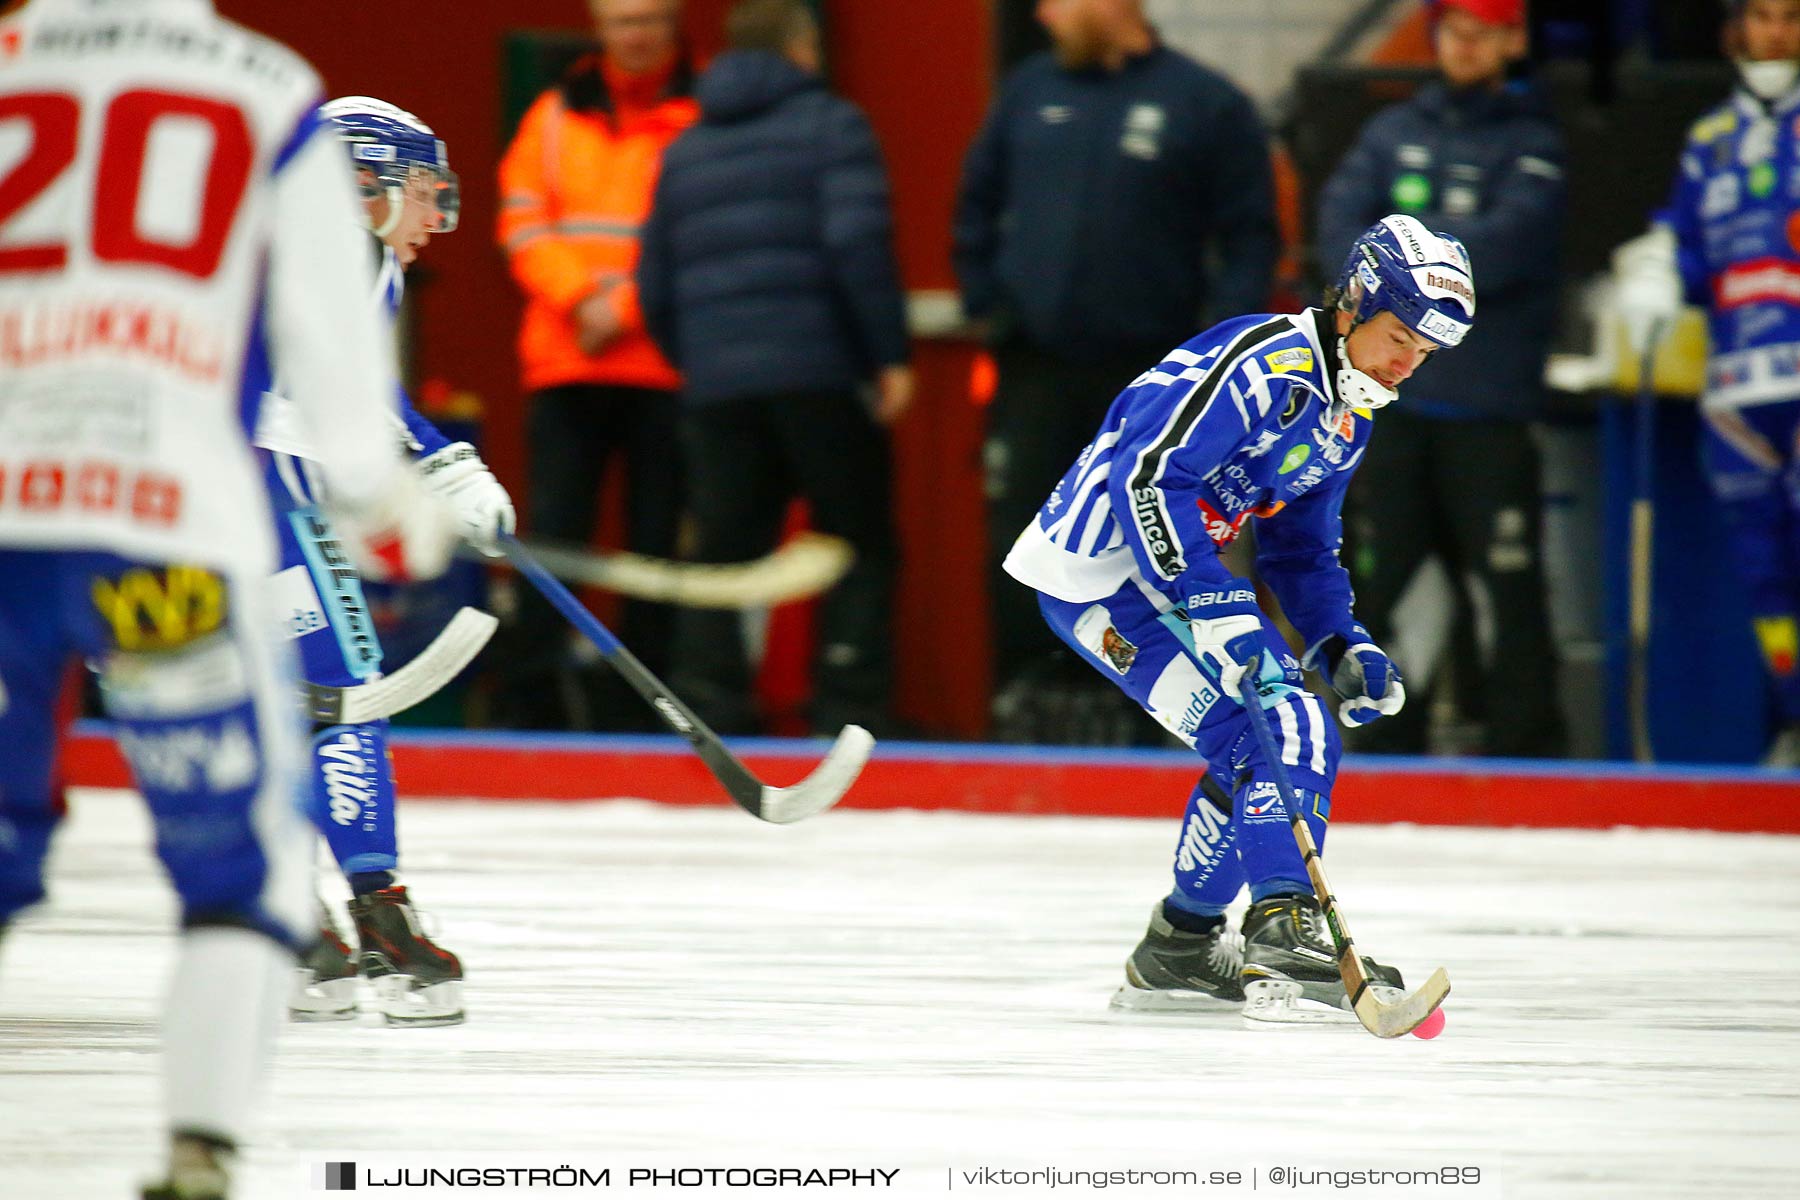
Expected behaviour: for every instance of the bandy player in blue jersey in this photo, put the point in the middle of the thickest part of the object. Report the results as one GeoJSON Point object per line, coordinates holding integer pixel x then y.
{"type": "Point", "coordinates": [409, 193]}
{"type": "Point", "coordinates": [1263, 419]}
{"type": "Point", "coordinates": [1729, 242]}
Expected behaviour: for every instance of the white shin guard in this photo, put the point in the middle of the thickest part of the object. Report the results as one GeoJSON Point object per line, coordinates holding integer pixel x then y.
{"type": "Point", "coordinates": [228, 996]}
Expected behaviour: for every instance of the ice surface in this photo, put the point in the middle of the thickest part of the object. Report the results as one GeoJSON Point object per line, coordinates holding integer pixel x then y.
{"type": "Point", "coordinates": [930, 990]}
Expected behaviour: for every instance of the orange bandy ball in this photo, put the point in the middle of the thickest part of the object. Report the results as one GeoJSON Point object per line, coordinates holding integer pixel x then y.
{"type": "Point", "coordinates": [1431, 1026]}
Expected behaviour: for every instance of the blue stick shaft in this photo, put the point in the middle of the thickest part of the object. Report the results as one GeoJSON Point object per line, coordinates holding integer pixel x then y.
{"type": "Point", "coordinates": [553, 590]}
{"type": "Point", "coordinates": [1248, 649]}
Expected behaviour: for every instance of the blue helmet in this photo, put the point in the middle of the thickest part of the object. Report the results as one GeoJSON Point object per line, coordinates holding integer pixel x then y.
{"type": "Point", "coordinates": [1420, 276]}
{"type": "Point", "coordinates": [401, 152]}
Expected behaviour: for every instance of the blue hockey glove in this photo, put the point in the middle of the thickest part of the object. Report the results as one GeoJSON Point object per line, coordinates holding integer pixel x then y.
{"type": "Point", "coordinates": [1361, 673]}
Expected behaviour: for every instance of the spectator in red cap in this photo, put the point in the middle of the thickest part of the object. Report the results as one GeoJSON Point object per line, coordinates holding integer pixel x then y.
{"type": "Point", "coordinates": [1454, 473]}
{"type": "Point", "coordinates": [1493, 12]}
{"type": "Point", "coordinates": [1476, 39]}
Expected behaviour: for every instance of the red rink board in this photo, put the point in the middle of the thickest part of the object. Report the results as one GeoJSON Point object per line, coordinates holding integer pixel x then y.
{"type": "Point", "coordinates": [1062, 782]}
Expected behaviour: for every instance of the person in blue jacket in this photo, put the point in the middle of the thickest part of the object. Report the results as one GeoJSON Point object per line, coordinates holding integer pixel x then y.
{"type": "Point", "coordinates": [1456, 474]}
{"type": "Point", "coordinates": [767, 275]}
{"type": "Point", "coordinates": [1117, 198]}
{"type": "Point", "coordinates": [1729, 241]}
{"type": "Point", "coordinates": [1261, 420]}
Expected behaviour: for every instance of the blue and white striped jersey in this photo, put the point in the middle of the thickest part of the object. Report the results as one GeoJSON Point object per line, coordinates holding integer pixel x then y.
{"type": "Point", "coordinates": [1240, 422]}
{"type": "Point", "coordinates": [1738, 245]}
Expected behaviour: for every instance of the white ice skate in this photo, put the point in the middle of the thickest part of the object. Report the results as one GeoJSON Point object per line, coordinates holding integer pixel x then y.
{"type": "Point", "coordinates": [403, 1000]}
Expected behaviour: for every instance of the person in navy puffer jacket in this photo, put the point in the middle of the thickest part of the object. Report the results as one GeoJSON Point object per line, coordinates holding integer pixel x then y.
{"type": "Point", "coordinates": [1117, 199]}
{"type": "Point", "coordinates": [768, 277]}
{"type": "Point", "coordinates": [1478, 156]}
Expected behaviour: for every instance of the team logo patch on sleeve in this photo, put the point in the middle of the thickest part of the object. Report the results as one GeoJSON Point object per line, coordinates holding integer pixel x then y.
{"type": "Point", "coordinates": [1095, 630]}
{"type": "Point", "coordinates": [1116, 650]}
{"type": "Point", "coordinates": [1299, 358]}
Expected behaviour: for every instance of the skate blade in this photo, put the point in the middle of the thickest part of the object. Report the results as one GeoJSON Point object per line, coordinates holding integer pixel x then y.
{"type": "Point", "coordinates": [316, 999]}
{"type": "Point", "coordinates": [1284, 1002]}
{"type": "Point", "coordinates": [434, 1004]}
{"type": "Point", "coordinates": [1137, 999]}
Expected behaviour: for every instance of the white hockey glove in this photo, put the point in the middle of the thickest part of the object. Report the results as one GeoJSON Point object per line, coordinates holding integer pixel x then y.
{"type": "Point", "coordinates": [1361, 673]}
{"type": "Point", "coordinates": [1647, 288]}
{"type": "Point", "coordinates": [484, 510]}
{"type": "Point", "coordinates": [1210, 638]}
{"type": "Point", "coordinates": [400, 533]}
{"type": "Point", "coordinates": [1217, 616]}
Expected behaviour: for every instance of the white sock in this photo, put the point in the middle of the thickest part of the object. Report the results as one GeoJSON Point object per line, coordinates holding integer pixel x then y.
{"type": "Point", "coordinates": [228, 998]}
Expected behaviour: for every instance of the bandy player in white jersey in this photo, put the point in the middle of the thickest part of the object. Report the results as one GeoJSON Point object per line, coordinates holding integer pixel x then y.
{"type": "Point", "coordinates": [175, 221]}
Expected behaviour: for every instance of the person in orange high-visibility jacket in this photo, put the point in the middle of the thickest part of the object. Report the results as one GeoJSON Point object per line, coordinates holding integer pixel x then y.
{"type": "Point", "coordinates": [575, 186]}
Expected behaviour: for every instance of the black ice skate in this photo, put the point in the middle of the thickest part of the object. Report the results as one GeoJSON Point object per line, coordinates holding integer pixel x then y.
{"type": "Point", "coordinates": [325, 980]}
{"type": "Point", "coordinates": [198, 1170]}
{"type": "Point", "coordinates": [1290, 972]}
{"type": "Point", "coordinates": [416, 981]}
{"type": "Point", "coordinates": [1173, 970]}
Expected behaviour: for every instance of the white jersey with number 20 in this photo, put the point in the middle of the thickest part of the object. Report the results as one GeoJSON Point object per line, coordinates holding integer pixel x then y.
{"type": "Point", "coordinates": [176, 223]}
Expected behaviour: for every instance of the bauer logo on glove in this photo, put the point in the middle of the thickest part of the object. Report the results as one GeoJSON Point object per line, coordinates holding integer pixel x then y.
{"type": "Point", "coordinates": [483, 509]}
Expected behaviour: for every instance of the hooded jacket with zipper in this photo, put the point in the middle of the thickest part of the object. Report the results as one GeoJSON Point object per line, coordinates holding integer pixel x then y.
{"type": "Point", "coordinates": [575, 188]}
{"type": "Point", "coordinates": [768, 264]}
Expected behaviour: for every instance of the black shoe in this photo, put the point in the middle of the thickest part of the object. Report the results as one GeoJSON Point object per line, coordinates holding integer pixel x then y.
{"type": "Point", "coordinates": [1290, 971]}
{"type": "Point", "coordinates": [417, 982]}
{"type": "Point", "coordinates": [1174, 969]}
